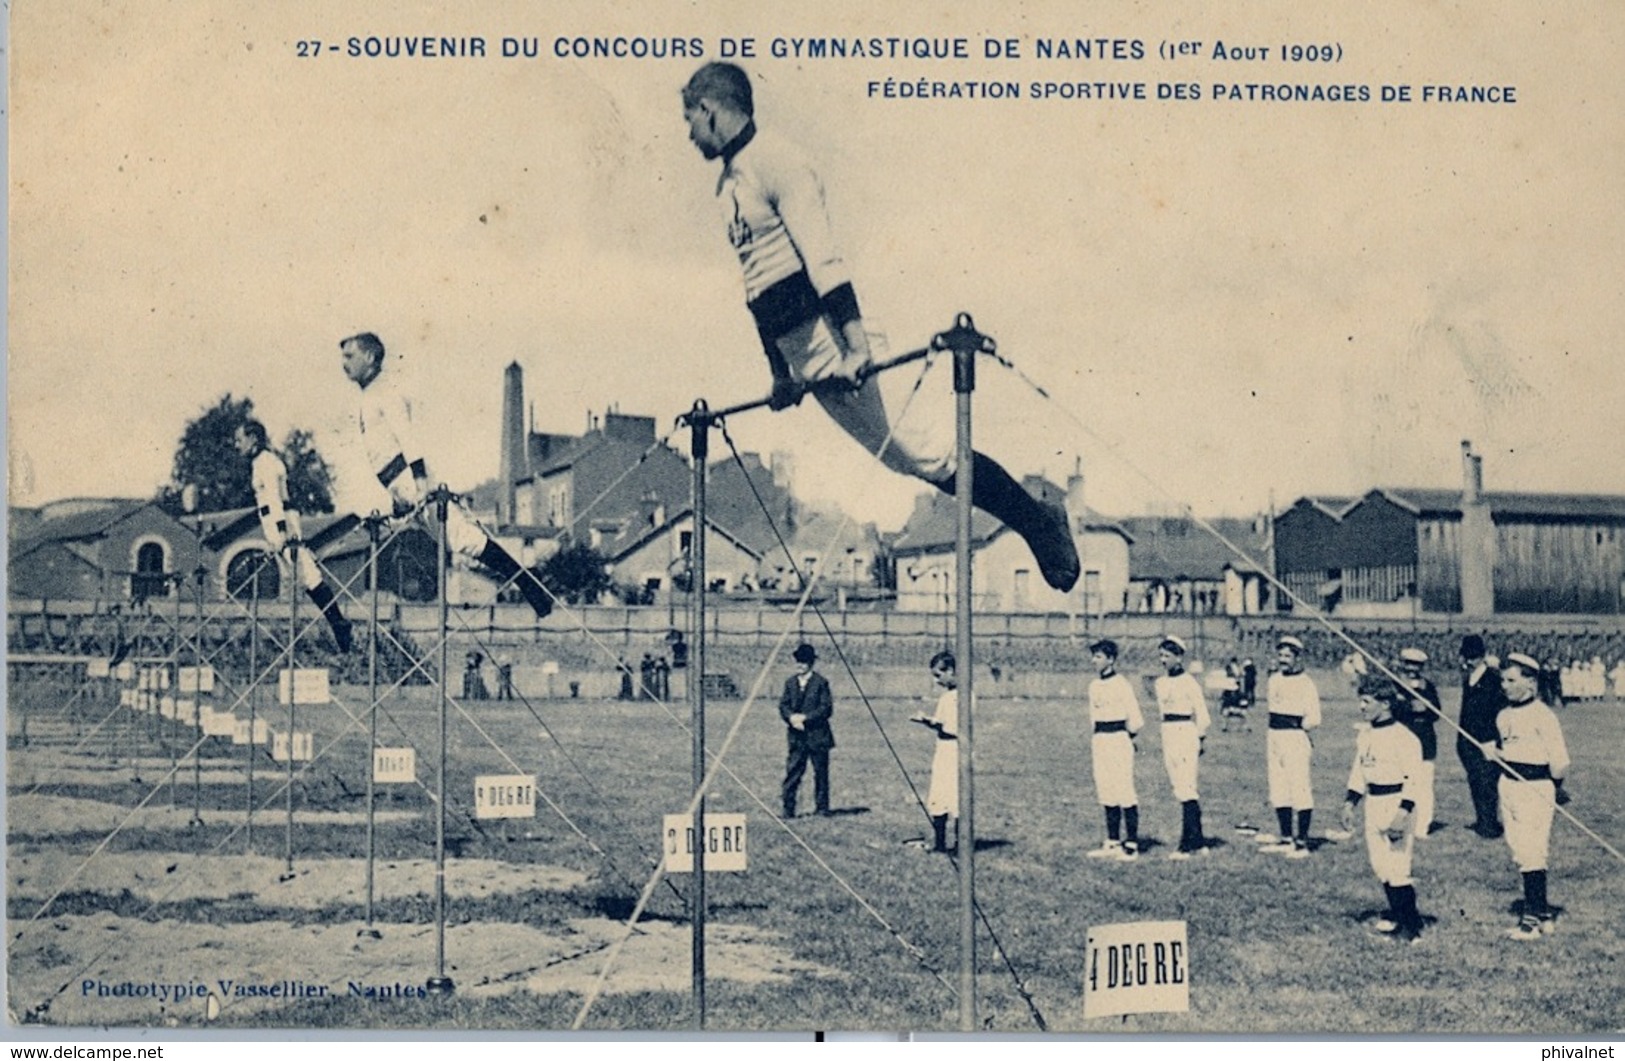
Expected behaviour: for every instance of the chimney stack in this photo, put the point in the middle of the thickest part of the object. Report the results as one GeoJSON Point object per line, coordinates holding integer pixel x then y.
{"type": "Point", "coordinates": [1477, 541]}
{"type": "Point", "coordinates": [515, 458]}
{"type": "Point", "coordinates": [1074, 493]}
{"type": "Point", "coordinates": [1472, 474]}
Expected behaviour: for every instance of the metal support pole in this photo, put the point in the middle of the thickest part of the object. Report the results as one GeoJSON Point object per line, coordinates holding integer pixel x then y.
{"type": "Point", "coordinates": [374, 526]}
{"type": "Point", "coordinates": [174, 698]}
{"type": "Point", "coordinates": [700, 448]}
{"type": "Point", "coordinates": [966, 343]}
{"type": "Point", "coordinates": [253, 693]}
{"type": "Point", "coordinates": [293, 664]}
{"type": "Point", "coordinates": [198, 575]}
{"type": "Point", "coordinates": [441, 984]}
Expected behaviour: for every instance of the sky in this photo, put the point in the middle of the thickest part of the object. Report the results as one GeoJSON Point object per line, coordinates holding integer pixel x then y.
{"type": "Point", "coordinates": [1211, 302]}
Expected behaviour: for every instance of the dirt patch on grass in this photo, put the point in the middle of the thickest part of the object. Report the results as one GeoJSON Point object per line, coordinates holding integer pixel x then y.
{"type": "Point", "coordinates": [313, 885]}
{"type": "Point", "coordinates": [106, 970]}
{"type": "Point", "coordinates": [44, 815]}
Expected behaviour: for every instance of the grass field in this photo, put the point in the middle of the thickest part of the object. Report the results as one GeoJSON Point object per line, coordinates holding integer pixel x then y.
{"type": "Point", "coordinates": [1276, 946]}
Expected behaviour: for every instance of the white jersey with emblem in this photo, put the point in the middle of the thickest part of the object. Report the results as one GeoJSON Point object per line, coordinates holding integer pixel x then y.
{"type": "Point", "coordinates": [778, 223]}
{"type": "Point", "coordinates": [1114, 712]}
{"type": "Point", "coordinates": [943, 796]}
{"type": "Point", "coordinates": [384, 421]}
{"type": "Point", "coordinates": [1531, 741]}
{"type": "Point", "coordinates": [1386, 773]}
{"type": "Point", "coordinates": [270, 478]}
{"type": "Point", "coordinates": [1294, 709]}
{"type": "Point", "coordinates": [773, 201]}
{"type": "Point", "coordinates": [1184, 721]}
{"type": "Point", "coordinates": [278, 522]}
{"type": "Point", "coordinates": [1294, 694]}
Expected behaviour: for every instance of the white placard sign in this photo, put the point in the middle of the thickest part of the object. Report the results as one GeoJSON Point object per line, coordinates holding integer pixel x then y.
{"type": "Point", "coordinates": [196, 679]}
{"type": "Point", "coordinates": [394, 766]}
{"type": "Point", "coordinates": [166, 707]}
{"type": "Point", "coordinates": [1136, 967]}
{"type": "Point", "coordinates": [126, 698]}
{"type": "Point", "coordinates": [124, 672]}
{"type": "Point", "coordinates": [504, 796]}
{"type": "Point", "coordinates": [725, 847]}
{"type": "Point", "coordinates": [303, 743]}
{"type": "Point", "coordinates": [550, 667]}
{"type": "Point", "coordinates": [309, 686]}
{"type": "Point", "coordinates": [97, 668]}
{"type": "Point", "coordinates": [186, 712]}
{"type": "Point", "coordinates": [221, 723]}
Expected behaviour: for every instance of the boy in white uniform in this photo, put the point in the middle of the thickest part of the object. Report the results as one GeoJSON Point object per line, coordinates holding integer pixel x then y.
{"type": "Point", "coordinates": [280, 524]}
{"type": "Point", "coordinates": [1294, 710]}
{"type": "Point", "coordinates": [1385, 775]}
{"type": "Point", "coordinates": [384, 420]}
{"type": "Point", "coordinates": [942, 799]}
{"type": "Point", "coordinates": [799, 291]}
{"type": "Point", "coordinates": [1114, 712]}
{"type": "Point", "coordinates": [1530, 743]}
{"type": "Point", "coordinates": [1184, 726]}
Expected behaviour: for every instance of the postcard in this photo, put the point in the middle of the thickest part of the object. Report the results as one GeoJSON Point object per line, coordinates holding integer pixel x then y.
{"type": "Point", "coordinates": [359, 358]}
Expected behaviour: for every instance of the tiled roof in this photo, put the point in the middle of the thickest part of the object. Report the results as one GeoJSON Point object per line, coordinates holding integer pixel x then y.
{"type": "Point", "coordinates": [77, 526]}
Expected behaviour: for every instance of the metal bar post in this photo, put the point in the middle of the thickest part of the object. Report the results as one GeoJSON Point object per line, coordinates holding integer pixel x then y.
{"type": "Point", "coordinates": [373, 528]}
{"type": "Point", "coordinates": [700, 425]}
{"type": "Point", "coordinates": [174, 698]}
{"type": "Point", "coordinates": [293, 664]}
{"type": "Point", "coordinates": [198, 575]}
{"type": "Point", "coordinates": [440, 984]}
{"type": "Point", "coordinates": [966, 343]}
{"type": "Point", "coordinates": [253, 693]}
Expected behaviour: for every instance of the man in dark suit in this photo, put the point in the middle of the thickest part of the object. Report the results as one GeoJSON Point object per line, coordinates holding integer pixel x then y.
{"type": "Point", "coordinates": [1481, 700]}
{"type": "Point", "coordinates": [806, 707]}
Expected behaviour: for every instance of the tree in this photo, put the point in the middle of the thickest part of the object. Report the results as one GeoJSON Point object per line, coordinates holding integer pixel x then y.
{"type": "Point", "coordinates": [577, 574]}
{"type": "Point", "coordinates": [310, 480]}
{"type": "Point", "coordinates": [207, 459]}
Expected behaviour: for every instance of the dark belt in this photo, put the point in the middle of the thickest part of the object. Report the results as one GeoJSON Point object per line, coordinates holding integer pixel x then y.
{"type": "Point", "coordinates": [1384, 790]}
{"type": "Point", "coordinates": [265, 510]}
{"type": "Point", "coordinates": [1285, 721]}
{"type": "Point", "coordinates": [1530, 771]}
{"type": "Point", "coordinates": [1120, 726]}
{"type": "Point", "coordinates": [785, 306]}
{"type": "Point", "coordinates": [1179, 718]}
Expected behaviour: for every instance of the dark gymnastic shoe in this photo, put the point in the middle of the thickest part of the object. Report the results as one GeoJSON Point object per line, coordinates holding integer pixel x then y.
{"type": "Point", "coordinates": [1050, 538]}
{"type": "Point", "coordinates": [343, 634]}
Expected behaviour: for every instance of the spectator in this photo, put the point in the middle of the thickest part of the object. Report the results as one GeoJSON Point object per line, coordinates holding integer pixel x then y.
{"type": "Point", "coordinates": [806, 706]}
{"type": "Point", "coordinates": [1481, 701]}
{"type": "Point", "coordinates": [504, 677]}
{"type": "Point", "coordinates": [473, 680]}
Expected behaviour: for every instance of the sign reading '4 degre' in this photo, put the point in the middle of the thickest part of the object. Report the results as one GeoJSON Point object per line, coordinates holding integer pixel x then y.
{"type": "Point", "coordinates": [1136, 967]}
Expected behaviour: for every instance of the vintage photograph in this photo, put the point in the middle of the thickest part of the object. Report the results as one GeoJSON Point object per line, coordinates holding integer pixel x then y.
{"type": "Point", "coordinates": [929, 517]}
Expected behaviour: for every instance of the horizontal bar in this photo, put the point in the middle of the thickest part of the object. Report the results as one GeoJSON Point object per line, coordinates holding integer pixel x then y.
{"type": "Point", "coordinates": [873, 369]}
